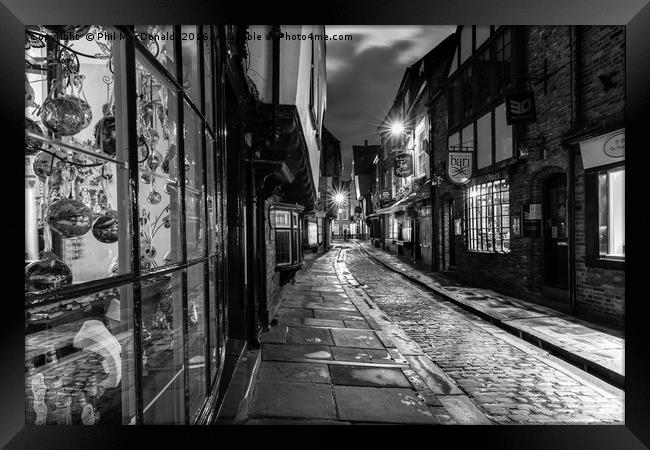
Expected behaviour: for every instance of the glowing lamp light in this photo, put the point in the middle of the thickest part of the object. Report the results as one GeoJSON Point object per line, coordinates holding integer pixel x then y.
{"type": "Point", "coordinates": [339, 198]}
{"type": "Point", "coordinates": [397, 128]}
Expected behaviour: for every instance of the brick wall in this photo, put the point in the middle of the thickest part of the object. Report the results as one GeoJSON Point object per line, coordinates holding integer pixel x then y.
{"type": "Point", "coordinates": [599, 292]}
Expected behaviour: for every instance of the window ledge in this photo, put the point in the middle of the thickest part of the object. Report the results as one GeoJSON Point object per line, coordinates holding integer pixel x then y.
{"type": "Point", "coordinates": [614, 264]}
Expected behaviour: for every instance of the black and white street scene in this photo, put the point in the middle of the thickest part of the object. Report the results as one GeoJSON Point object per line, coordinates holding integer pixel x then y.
{"type": "Point", "coordinates": [324, 225]}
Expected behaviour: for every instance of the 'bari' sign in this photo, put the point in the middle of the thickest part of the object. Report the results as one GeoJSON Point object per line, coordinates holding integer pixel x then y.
{"type": "Point", "coordinates": [520, 108]}
{"type": "Point", "coordinates": [459, 166]}
{"type": "Point", "coordinates": [403, 165]}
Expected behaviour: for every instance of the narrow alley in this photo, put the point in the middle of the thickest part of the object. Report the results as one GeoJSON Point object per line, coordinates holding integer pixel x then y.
{"type": "Point", "coordinates": [357, 343]}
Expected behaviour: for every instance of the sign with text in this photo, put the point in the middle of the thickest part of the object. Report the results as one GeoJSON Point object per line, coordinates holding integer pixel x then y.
{"type": "Point", "coordinates": [532, 220]}
{"type": "Point", "coordinates": [403, 165]}
{"type": "Point", "coordinates": [608, 148]}
{"type": "Point", "coordinates": [459, 166]}
{"type": "Point", "coordinates": [520, 108]}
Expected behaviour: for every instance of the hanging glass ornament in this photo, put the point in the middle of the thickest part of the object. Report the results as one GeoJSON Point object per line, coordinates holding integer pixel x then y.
{"type": "Point", "coordinates": [69, 217]}
{"type": "Point", "coordinates": [47, 273]}
{"type": "Point", "coordinates": [154, 160]}
{"type": "Point", "coordinates": [32, 145]}
{"type": "Point", "coordinates": [165, 163]}
{"type": "Point", "coordinates": [45, 164]}
{"type": "Point", "coordinates": [105, 135]}
{"type": "Point", "coordinates": [105, 228]}
{"type": "Point", "coordinates": [65, 116]}
{"type": "Point", "coordinates": [114, 268]}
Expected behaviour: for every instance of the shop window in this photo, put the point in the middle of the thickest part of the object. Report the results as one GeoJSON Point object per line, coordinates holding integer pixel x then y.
{"type": "Point", "coordinates": [196, 301]}
{"type": "Point", "coordinates": [312, 233]}
{"type": "Point", "coordinates": [488, 217]}
{"type": "Point", "coordinates": [190, 48]}
{"type": "Point", "coordinates": [605, 216]}
{"type": "Point", "coordinates": [208, 78]}
{"type": "Point", "coordinates": [194, 187]}
{"type": "Point", "coordinates": [393, 227]}
{"type": "Point", "coordinates": [286, 227]}
{"type": "Point", "coordinates": [344, 214]}
{"type": "Point", "coordinates": [406, 230]}
{"type": "Point", "coordinates": [158, 40]}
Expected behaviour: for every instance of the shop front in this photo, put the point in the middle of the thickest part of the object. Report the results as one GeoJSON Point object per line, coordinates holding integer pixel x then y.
{"type": "Point", "coordinates": [125, 304]}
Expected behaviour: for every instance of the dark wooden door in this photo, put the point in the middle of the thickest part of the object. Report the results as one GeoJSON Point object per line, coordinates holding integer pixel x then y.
{"type": "Point", "coordinates": [556, 243]}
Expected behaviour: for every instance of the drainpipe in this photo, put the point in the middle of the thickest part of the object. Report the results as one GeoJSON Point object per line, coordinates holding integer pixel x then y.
{"type": "Point", "coordinates": [276, 78]}
{"type": "Point", "coordinates": [577, 117]}
{"type": "Point", "coordinates": [432, 168]}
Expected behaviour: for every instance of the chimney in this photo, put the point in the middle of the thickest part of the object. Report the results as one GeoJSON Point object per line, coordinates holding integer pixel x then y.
{"type": "Point", "coordinates": [366, 142]}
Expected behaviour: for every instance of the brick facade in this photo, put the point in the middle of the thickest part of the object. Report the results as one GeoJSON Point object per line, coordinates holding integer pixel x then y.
{"type": "Point", "coordinates": [573, 98]}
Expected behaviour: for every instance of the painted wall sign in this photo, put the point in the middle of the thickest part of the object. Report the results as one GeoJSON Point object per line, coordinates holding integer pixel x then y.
{"type": "Point", "coordinates": [615, 146]}
{"type": "Point", "coordinates": [403, 165]}
{"type": "Point", "coordinates": [459, 166]}
{"type": "Point", "coordinates": [520, 108]}
{"type": "Point", "coordinates": [607, 148]}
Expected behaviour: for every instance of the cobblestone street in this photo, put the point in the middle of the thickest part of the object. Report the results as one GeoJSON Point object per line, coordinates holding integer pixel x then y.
{"type": "Point", "coordinates": [511, 380]}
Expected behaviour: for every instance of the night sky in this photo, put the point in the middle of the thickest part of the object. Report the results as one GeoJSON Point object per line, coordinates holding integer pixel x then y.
{"type": "Point", "coordinates": [363, 76]}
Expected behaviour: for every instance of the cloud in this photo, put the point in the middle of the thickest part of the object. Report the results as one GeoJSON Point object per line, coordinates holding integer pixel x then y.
{"type": "Point", "coordinates": [363, 76]}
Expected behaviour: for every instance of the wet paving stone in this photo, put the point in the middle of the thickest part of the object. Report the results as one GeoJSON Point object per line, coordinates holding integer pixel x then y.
{"type": "Point", "coordinates": [369, 376]}
{"type": "Point", "coordinates": [309, 336]}
{"type": "Point", "coordinates": [296, 372]}
{"type": "Point", "coordinates": [362, 355]}
{"type": "Point", "coordinates": [324, 322]}
{"type": "Point", "coordinates": [337, 315]}
{"type": "Point", "coordinates": [391, 405]}
{"type": "Point", "coordinates": [358, 324]}
{"type": "Point", "coordinates": [356, 338]}
{"type": "Point", "coordinates": [294, 312]}
{"type": "Point", "coordinates": [299, 400]}
{"type": "Point", "coordinates": [287, 352]}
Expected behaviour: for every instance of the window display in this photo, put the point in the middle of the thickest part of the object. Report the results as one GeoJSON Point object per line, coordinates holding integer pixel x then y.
{"type": "Point", "coordinates": [116, 306]}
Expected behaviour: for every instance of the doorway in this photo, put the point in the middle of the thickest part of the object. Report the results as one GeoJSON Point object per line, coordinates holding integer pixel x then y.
{"type": "Point", "coordinates": [556, 242]}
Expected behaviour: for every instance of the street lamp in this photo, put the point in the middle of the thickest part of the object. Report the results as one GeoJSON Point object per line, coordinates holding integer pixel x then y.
{"type": "Point", "coordinates": [339, 198]}
{"type": "Point", "coordinates": [397, 128]}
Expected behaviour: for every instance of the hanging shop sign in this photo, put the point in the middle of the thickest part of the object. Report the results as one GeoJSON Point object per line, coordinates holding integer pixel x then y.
{"type": "Point", "coordinates": [532, 220]}
{"type": "Point", "coordinates": [520, 108]}
{"type": "Point", "coordinates": [605, 149]}
{"type": "Point", "coordinates": [403, 165]}
{"type": "Point", "coordinates": [459, 166]}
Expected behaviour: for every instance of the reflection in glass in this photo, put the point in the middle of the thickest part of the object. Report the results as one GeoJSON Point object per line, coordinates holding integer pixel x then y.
{"type": "Point", "coordinates": [159, 196]}
{"type": "Point", "coordinates": [162, 350]}
{"type": "Point", "coordinates": [197, 338]}
{"type": "Point", "coordinates": [190, 45]}
{"type": "Point", "coordinates": [158, 39]}
{"type": "Point", "coordinates": [79, 360]}
{"type": "Point", "coordinates": [194, 200]}
{"type": "Point", "coordinates": [215, 339]}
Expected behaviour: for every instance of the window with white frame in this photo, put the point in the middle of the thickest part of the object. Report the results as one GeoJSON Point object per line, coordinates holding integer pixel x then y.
{"type": "Point", "coordinates": [393, 227]}
{"type": "Point", "coordinates": [488, 217]}
{"type": "Point", "coordinates": [611, 213]}
{"type": "Point", "coordinates": [287, 236]}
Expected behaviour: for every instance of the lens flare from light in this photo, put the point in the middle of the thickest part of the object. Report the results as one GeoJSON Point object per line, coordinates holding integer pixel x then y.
{"type": "Point", "coordinates": [397, 128]}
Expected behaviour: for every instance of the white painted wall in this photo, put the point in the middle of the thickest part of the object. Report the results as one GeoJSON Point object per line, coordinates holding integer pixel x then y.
{"type": "Point", "coordinates": [295, 65]}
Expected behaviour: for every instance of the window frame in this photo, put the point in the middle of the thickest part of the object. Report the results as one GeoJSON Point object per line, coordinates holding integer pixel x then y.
{"type": "Point", "coordinates": [476, 222]}
{"type": "Point", "coordinates": [593, 258]}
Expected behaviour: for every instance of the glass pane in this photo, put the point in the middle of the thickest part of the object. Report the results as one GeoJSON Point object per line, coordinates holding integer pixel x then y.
{"type": "Point", "coordinates": [190, 46]}
{"type": "Point", "coordinates": [484, 133]}
{"type": "Point", "coordinates": [159, 196]}
{"type": "Point", "coordinates": [213, 216]}
{"type": "Point", "coordinates": [215, 341]}
{"type": "Point", "coordinates": [162, 348]}
{"type": "Point", "coordinates": [159, 40]}
{"type": "Point", "coordinates": [208, 77]}
{"type": "Point", "coordinates": [282, 246]}
{"type": "Point", "coordinates": [194, 188]}
{"type": "Point", "coordinates": [79, 360]}
{"type": "Point", "coordinates": [76, 230]}
{"type": "Point", "coordinates": [197, 340]}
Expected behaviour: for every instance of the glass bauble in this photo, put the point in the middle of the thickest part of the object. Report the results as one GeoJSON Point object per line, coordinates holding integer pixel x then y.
{"type": "Point", "coordinates": [154, 197]}
{"type": "Point", "coordinates": [154, 160]}
{"type": "Point", "coordinates": [47, 273]}
{"type": "Point", "coordinates": [105, 228]}
{"type": "Point", "coordinates": [65, 116]}
{"type": "Point", "coordinates": [114, 268]}
{"type": "Point", "coordinates": [45, 164]}
{"type": "Point", "coordinates": [105, 135]}
{"type": "Point", "coordinates": [69, 218]}
{"type": "Point", "coordinates": [32, 145]}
